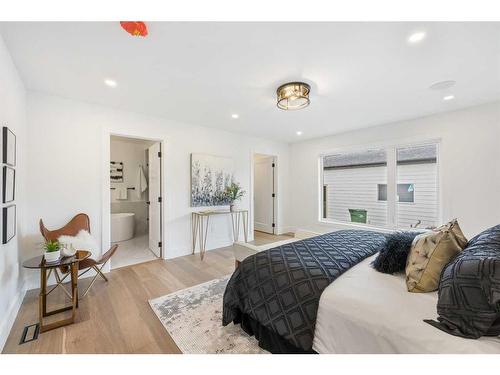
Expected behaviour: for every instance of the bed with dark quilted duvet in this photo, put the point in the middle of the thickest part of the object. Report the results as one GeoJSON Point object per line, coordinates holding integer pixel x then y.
{"type": "Point", "coordinates": [275, 294]}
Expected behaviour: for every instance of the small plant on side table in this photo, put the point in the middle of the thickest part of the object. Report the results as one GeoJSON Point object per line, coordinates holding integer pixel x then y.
{"type": "Point", "coordinates": [52, 251]}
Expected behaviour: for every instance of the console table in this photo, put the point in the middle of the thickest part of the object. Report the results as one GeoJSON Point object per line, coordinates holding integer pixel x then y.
{"type": "Point", "coordinates": [45, 271]}
{"type": "Point", "coordinates": [201, 219]}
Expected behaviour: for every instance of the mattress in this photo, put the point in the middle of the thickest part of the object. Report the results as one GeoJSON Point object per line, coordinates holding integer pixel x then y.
{"type": "Point", "coordinates": [365, 311]}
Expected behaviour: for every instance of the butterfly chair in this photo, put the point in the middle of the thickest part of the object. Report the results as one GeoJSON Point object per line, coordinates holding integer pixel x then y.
{"type": "Point", "coordinates": [75, 225]}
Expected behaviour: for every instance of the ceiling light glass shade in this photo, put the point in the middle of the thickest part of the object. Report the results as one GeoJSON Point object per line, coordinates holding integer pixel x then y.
{"type": "Point", "coordinates": [293, 95]}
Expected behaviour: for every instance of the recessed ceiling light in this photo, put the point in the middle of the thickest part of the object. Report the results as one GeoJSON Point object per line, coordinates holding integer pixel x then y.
{"type": "Point", "coordinates": [110, 82]}
{"type": "Point", "coordinates": [416, 37]}
{"type": "Point", "coordinates": [442, 85]}
{"type": "Point", "coordinates": [448, 97]}
{"type": "Point", "coordinates": [234, 115]}
{"type": "Point", "coordinates": [299, 133]}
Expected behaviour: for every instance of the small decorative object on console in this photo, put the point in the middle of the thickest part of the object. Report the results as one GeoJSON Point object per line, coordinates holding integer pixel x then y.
{"type": "Point", "coordinates": [233, 193]}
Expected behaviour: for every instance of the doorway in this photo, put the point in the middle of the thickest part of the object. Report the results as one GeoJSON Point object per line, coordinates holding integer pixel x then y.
{"type": "Point", "coordinates": [135, 199]}
{"type": "Point", "coordinates": [265, 193]}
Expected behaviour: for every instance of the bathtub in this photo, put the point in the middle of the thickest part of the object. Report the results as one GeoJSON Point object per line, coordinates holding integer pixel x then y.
{"type": "Point", "coordinates": [122, 226]}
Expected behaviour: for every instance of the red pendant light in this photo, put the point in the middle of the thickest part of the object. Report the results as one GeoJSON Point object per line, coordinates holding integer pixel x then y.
{"type": "Point", "coordinates": [135, 28]}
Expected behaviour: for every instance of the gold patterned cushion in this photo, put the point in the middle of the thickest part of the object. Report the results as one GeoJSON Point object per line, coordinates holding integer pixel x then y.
{"type": "Point", "coordinates": [429, 253]}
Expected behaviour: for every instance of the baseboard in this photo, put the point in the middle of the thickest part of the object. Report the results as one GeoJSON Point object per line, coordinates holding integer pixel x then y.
{"type": "Point", "coordinates": [9, 319]}
{"type": "Point", "coordinates": [286, 230]}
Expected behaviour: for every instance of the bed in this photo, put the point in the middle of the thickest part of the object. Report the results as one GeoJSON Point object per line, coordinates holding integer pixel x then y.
{"type": "Point", "coordinates": [350, 308]}
{"type": "Point", "coordinates": [365, 311]}
{"type": "Point", "coordinates": [274, 294]}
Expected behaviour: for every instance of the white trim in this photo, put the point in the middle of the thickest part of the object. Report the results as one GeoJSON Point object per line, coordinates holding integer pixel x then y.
{"type": "Point", "coordinates": [404, 142]}
{"type": "Point", "coordinates": [11, 315]}
{"type": "Point", "coordinates": [106, 184]}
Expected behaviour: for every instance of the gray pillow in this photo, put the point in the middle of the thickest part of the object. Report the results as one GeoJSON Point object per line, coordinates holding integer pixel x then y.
{"type": "Point", "coordinates": [394, 252]}
{"type": "Point", "coordinates": [469, 289]}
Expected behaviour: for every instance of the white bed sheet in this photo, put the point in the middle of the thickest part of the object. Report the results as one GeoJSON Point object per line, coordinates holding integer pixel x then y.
{"type": "Point", "coordinates": [365, 311]}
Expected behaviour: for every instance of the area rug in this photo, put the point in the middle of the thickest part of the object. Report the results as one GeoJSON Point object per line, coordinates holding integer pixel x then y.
{"type": "Point", "coordinates": [193, 318]}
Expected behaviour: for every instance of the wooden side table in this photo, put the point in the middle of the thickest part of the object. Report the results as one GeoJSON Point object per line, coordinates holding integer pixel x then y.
{"type": "Point", "coordinates": [199, 226]}
{"type": "Point", "coordinates": [45, 272]}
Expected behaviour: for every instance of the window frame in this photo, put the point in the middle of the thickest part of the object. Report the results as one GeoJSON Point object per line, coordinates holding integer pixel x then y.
{"type": "Point", "coordinates": [391, 152]}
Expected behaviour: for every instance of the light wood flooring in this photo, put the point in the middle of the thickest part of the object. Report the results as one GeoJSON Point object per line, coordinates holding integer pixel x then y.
{"type": "Point", "coordinates": [115, 317]}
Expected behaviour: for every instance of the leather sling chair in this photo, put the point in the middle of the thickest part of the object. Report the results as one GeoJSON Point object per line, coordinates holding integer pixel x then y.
{"type": "Point", "coordinates": [75, 225]}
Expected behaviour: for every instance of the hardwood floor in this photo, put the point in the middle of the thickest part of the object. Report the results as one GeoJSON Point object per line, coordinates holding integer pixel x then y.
{"type": "Point", "coordinates": [261, 238]}
{"type": "Point", "coordinates": [115, 317]}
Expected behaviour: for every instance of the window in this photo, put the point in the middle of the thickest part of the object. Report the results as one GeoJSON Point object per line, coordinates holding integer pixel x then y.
{"type": "Point", "coordinates": [350, 182]}
{"type": "Point", "coordinates": [388, 187]}
{"type": "Point", "coordinates": [406, 192]}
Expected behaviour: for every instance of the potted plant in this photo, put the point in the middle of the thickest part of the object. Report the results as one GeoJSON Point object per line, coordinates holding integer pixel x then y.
{"type": "Point", "coordinates": [233, 193]}
{"type": "Point", "coordinates": [52, 251]}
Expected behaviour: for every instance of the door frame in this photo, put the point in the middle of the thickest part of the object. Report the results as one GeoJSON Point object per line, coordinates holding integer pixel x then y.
{"type": "Point", "coordinates": [276, 230]}
{"type": "Point", "coordinates": [106, 185]}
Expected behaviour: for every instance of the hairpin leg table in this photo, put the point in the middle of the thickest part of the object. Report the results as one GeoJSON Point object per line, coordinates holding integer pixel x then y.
{"type": "Point", "coordinates": [201, 220]}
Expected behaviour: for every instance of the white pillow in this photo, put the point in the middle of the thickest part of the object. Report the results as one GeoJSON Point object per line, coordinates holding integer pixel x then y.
{"type": "Point", "coordinates": [82, 241]}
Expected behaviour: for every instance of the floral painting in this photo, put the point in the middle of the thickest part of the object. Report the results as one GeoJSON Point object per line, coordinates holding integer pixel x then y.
{"type": "Point", "coordinates": [209, 177]}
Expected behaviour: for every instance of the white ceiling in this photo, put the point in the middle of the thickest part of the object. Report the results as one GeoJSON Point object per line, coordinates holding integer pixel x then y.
{"type": "Point", "coordinates": [362, 74]}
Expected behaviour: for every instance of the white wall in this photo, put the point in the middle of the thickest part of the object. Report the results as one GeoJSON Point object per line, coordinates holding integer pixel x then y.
{"type": "Point", "coordinates": [469, 165]}
{"type": "Point", "coordinates": [67, 143]}
{"type": "Point", "coordinates": [13, 115]}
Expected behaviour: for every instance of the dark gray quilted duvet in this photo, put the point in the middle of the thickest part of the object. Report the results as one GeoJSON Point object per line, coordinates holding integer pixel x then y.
{"type": "Point", "coordinates": [279, 289]}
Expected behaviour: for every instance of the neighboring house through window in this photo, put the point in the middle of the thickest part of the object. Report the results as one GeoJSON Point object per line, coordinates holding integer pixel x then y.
{"type": "Point", "coordinates": [406, 192]}
{"type": "Point", "coordinates": [385, 187]}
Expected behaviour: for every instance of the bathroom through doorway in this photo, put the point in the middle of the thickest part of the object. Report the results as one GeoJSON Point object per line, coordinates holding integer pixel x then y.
{"type": "Point", "coordinates": [135, 200]}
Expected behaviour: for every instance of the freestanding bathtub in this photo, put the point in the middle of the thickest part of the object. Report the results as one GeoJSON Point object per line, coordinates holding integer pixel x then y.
{"type": "Point", "coordinates": [122, 226]}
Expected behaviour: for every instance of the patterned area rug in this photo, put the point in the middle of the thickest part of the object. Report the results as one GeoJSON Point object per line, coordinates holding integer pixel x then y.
{"type": "Point", "coordinates": [193, 317]}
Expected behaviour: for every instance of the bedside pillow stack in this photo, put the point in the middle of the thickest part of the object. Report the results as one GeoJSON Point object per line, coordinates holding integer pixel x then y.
{"type": "Point", "coordinates": [430, 253]}
{"type": "Point", "coordinates": [469, 290]}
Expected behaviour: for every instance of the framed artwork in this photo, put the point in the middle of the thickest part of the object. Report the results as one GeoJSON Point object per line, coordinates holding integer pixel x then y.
{"type": "Point", "coordinates": [8, 184]}
{"type": "Point", "coordinates": [8, 223]}
{"type": "Point", "coordinates": [8, 147]}
{"type": "Point", "coordinates": [209, 177]}
{"type": "Point", "coordinates": [116, 171]}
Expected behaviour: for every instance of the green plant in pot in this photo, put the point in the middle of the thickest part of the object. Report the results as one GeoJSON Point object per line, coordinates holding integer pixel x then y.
{"type": "Point", "coordinates": [52, 251]}
{"type": "Point", "coordinates": [233, 193]}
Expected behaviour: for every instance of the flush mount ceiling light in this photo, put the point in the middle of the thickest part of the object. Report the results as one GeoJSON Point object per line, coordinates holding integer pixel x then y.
{"type": "Point", "coordinates": [416, 37]}
{"type": "Point", "coordinates": [299, 133]}
{"type": "Point", "coordinates": [293, 95]}
{"type": "Point", "coordinates": [235, 116]}
{"type": "Point", "coordinates": [448, 97]}
{"type": "Point", "coordinates": [110, 82]}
